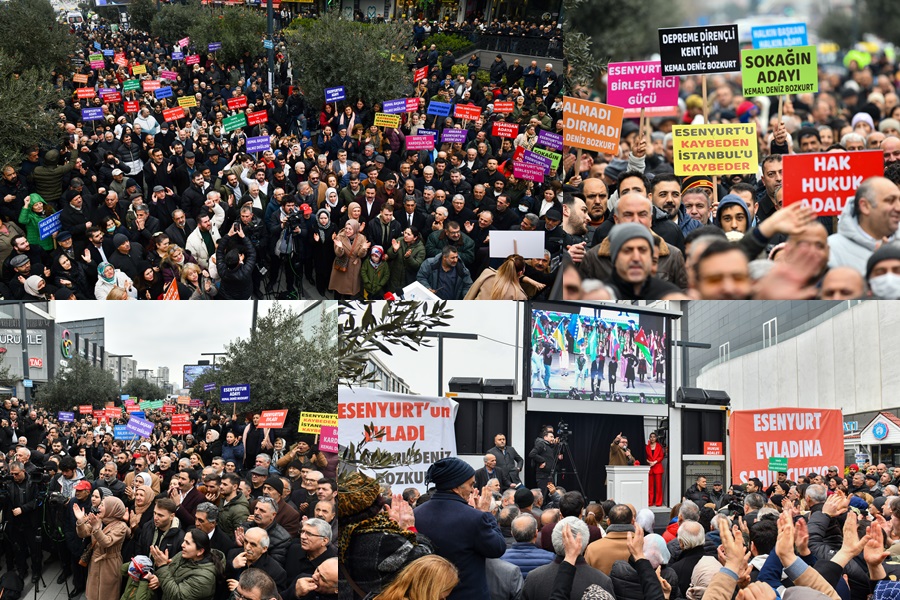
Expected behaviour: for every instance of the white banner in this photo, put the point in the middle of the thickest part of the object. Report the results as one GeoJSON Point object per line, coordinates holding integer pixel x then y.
{"type": "Point", "coordinates": [425, 421]}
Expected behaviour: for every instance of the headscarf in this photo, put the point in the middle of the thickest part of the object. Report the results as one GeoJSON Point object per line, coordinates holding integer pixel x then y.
{"type": "Point", "coordinates": [105, 492]}
{"type": "Point", "coordinates": [102, 268]}
{"type": "Point", "coordinates": [113, 511]}
{"type": "Point", "coordinates": [354, 225]}
{"type": "Point", "coordinates": [145, 477]}
{"type": "Point", "coordinates": [323, 229]}
{"type": "Point", "coordinates": [328, 194]}
{"type": "Point", "coordinates": [353, 205]}
{"type": "Point", "coordinates": [150, 496]}
{"type": "Point", "coordinates": [31, 286]}
{"type": "Point", "coordinates": [213, 433]}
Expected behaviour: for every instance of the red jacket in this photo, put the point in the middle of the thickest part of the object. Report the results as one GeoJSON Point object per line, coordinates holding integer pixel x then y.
{"type": "Point", "coordinates": [671, 532]}
{"type": "Point", "coordinates": [656, 455]}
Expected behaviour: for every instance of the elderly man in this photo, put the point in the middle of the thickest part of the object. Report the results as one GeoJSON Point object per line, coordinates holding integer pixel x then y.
{"type": "Point", "coordinates": [604, 552]}
{"type": "Point", "coordinates": [490, 471]}
{"type": "Point", "coordinates": [524, 553]}
{"type": "Point", "coordinates": [254, 553]}
{"type": "Point", "coordinates": [321, 585]}
{"type": "Point", "coordinates": [463, 535]}
{"type": "Point", "coordinates": [206, 519]}
{"type": "Point", "coordinates": [264, 517]}
{"type": "Point", "coordinates": [287, 515]}
{"type": "Point", "coordinates": [871, 218]}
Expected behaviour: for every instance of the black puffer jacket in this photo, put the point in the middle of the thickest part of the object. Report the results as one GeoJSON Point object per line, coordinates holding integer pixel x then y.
{"type": "Point", "coordinates": [237, 282]}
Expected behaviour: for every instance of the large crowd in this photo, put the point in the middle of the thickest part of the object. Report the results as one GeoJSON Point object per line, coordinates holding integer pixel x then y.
{"type": "Point", "coordinates": [156, 204]}
{"type": "Point", "coordinates": [827, 535]}
{"type": "Point", "coordinates": [231, 510]}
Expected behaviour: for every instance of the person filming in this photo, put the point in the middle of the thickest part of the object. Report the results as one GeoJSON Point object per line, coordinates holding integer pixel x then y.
{"type": "Point", "coordinates": [543, 456]}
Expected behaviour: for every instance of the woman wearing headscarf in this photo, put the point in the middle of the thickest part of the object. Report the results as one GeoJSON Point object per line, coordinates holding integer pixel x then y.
{"type": "Point", "coordinates": [108, 530]}
{"type": "Point", "coordinates": [70, 274]}
{"type": "Point", "coordinates": [192, 573]}
{"type": "Point", "coordinates": [36, 288]}
{"type": "Point", "coordinates": [108, 277]}
{"type": "Point", "coordinates": [323, 234]}
{"type": "Point", "coordinates": [211, 447]}
{"type": "Point", "coordinates": [407, 255]}
{"type": "Point", "coordinates": [34, 211]}
{"type": "Point", "coordinates": [350, 247]}
{"type": "Point", "coordinates": [140, 513]}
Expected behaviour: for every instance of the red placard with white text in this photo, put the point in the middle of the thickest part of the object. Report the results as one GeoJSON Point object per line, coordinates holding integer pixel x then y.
{"type": "Point", "coordinates": [469, 112]}
{"type": "Point", "coordinates": [173, 114]}
{"type": "Point", "coordinates": [132, 106]}
{"type": "Point", "coordinates": [86, 409]}
{"type": "Point", "coordinates": [826, 181]}
{"type": "Point", "coordinates": [505, 130]}
{"type": "Point", "coordinates": [257, 117]}
{"type": "Point", "coordinates": [237, 102]}
{"type": "Point", "coordinates": [272, 419]}
{"type": "Point", "coordinates": [421, 74]}
{"type": "Point", "coordinates": [86, 92]}
{"type": "Point", "coordinates": [113, 97]}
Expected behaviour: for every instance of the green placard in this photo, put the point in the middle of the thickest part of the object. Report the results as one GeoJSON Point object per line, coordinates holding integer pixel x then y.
{"type": "Point", "coordinates": [130, 85]}
{"type": "Point", "coordinates": [554, 156]}
{"type": "Point", "coordinates": [94, 57]}
{"type": "Point", "coordinates": [235, 122]}
{"type": "Point", "coordinates": [779, 71]}
{"type": "Point", "coordinates": [778, 464]}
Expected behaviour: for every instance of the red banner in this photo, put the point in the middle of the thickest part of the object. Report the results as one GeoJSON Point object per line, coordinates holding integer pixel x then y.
{"type": "Point", "coordinates": [810, 439]}
{"type": "Point", "coordinates": [193, 59]}
{"type": "Point", "coordinates": [86, 409]}
{"type": "Point", "coordinates": [237, 102]}
{"type": "Point", "coordinates": [272, 419]}
{"type": "Point", "coordinates": [113, 413]}
{"type": "Point", "coordinates": [168, 409]}
{"type": "Point", "coordinates": [826, 181]}
{"type": "Point", "coordinates": [181, 424]}
{"type": "Point", "coordinates": [467, 111]}
{"type": "Point", "coordinates": [257, 117]}
{"type": "Point", "coordinates": [173, 114]}
{"type": "Point", "coordinates": [412, 104]}
{"type": "Point", "coordinates": [86, 92]}
{"type": "Point", "coordinates": [505, 130]}
{"type": "Point", "coordinates": [113, 97]}
{"type": "Point", "coordinates": [132, 106]}
{"type": "Point", "coordinates": [421, 74]}
{"type": "Point", "coordinates": [503, 107]}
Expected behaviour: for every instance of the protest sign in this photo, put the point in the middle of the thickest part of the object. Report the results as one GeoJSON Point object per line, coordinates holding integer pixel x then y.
{"type": "Point", "coordinates": [412, 104]}
{"type": "Point", "coordinates": [173, 114]}
{"type": "Point", "coordinates": [269, 44]}
{"type": "Point", "coordinates": [112, 97]}
{"type": "Point", "coordinates": [699, 50]}
{"type": "Point", "coordinates": [138, 69]}
{"type": "Point", "coordinates": [192, 59]}
{"type": "Point", "coordinates": [550, 140]}
{"type": "Point", "coordinates": [168, 75]}
{"type": "Point", "coordinates": [420, 74]}
{"type": "Point", "coordinates": [150, 85]}
{"type": "Point", "coordinates": [184, 42]}
{"type": "Point", "coordinates": [555, 157]}
{"type": "Point", "coordinates": [113, 413]}
{"type": "Point", "coordinates": [196, 403]}
{"type": "Point", "coordinates": [591, 125]}
{"type": "Point", "coordinates": [181, 424]}
{"type": "Point", "coordinates": [504, 107]}
{"type": "Point", "coordinates": [178, 56]}
{"type": "Point", "coordinates": [811, 439]}
{"type": "Point", "coordinates": [404, 419]}
{"type": "Point", "coordinates": [109, 53]}
{"type": "Point", "coordinates": [311, 422]}
{"type": "Point", "coordinates": [432, 132]}
{"type": "Point", "coordinates": [229, 124]}
{"type": "Point", "coordinates": [393, 107]}
{"type": "Point", "coordinates": [469, 112]}
{"type": "Point", "coordinates": [85, 93]}
{"type": "Point", "coordinates": [780, 71]}
{"type": "Point", "coordinates": [453, 136]}
{"type": "Point", "coordinates": [97, 64]}
{"type": "Point", "coordinates": [121, 432]}
{"type": "Point", "coordinates": [335, 94]}
{"type": "Point", "coordinates": [65, 417]}
{"type": "Point", "coordinates": [529, 172]}
{"type": "Point", "coordinates": [168, 409]}
{"type": "Point", "coordinates": [131, 85]}
{"type": "Point", "coordinates": [209, 387]}
{"type": "Point", "coordinates": [533, 158]}
{"type": "Point", "coordinates": [439, 109]}
{"type": "Point", "coordinates": [712, 449]}
{"type": "Point", "coordinates": [527, 244]}
{"type": "Point", "coordinates": [183, 400]}
{"type": "Point", "coordinates": [259, 144]}
{"type": "Point", "coordinates": [420, 142]}
{"type": "Point", "coordinates": [237, 102]}
{"type": "Point", "coordinates": [235, 393]}
{"type": "Point", "coordinates": [503, 129]}
{"type": "Point", "coordinates": [715, 149]}
{"type": "Point", "coordinates": [257, 118]}
{"type": "Point", "coordinates": [187, 102]}
{"type": "Point", "coordinates": [80, 78]}
{"type": "Point", "coordinates": [86, 409]}
{"type": "Point", "coordinates": [387, 120]}
{"type": "Point", "coordinates": [827, 181]}
{"type": "Point", "coordinates": [779, 36]}
{"type": "Point", "coordinates": [640, 85]}
{"type": "Point", "coordinates": [213, 46]}
{"type": "Point", "coordinates": [163, 92]}
{"type": "Point", "coordinates": [132, 106]}
{"type": "Point", "coordinates": [50, 225]}
{"type": "Point", "coordinates": [272, 419]}
{"type": "Point", "coordinates": [328, 439]}
{"type": "Point", "coordinates": [91, 114]}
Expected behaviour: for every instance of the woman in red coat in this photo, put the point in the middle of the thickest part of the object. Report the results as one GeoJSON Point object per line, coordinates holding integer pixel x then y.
{"type": "Point", "coordinates": [655, 455]}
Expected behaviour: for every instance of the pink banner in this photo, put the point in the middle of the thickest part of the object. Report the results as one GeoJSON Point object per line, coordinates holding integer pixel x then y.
{"type": "Point", "coordinates": [328, 439]}
{"type": "Point", "coordinates": [170, 75]}
{"type": "Point", "coordinates": [529, 172]}
{"type": "Point", "coordinates": [640, 84]}
{"type": "Point", "coordinates": [420, 142]}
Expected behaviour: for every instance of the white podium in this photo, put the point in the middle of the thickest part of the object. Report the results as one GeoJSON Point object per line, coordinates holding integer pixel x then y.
{"type": "Point", "coordinates": [628, 484]}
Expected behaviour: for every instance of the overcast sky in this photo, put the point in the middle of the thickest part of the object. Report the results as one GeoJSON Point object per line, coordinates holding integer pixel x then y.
{"type": "Point", "coordinates": [168, 334]}
{"type": "Point", "coordinates": [464, 358]}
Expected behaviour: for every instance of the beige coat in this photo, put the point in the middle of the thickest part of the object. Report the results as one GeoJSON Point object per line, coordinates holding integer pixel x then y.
{"type": "Point", "coordinates": [104, 579]}
{"type": "Point", "coordinates": [348, 282]}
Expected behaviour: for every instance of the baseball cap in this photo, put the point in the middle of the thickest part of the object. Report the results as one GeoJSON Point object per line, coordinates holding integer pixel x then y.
{"type": "Point", "coordinates": [83, 485]}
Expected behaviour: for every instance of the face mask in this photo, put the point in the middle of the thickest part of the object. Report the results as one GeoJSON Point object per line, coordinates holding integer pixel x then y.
{"type": "Point", "coordinates": [110, 229]}
{"type": "Point", "coordinates": [886, 287]}
{"type": "Point", "coordinates": [523, 208]}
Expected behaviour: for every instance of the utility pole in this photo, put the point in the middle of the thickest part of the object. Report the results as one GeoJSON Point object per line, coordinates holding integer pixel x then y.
{"type": "Point", "coordinates": [270, 17]}
{"type": "Point", "coordinates": [23, 332]}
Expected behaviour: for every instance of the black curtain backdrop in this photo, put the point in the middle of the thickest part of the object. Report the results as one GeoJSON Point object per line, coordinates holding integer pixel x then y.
{"type": "Point", "coordinates": [589, 444]}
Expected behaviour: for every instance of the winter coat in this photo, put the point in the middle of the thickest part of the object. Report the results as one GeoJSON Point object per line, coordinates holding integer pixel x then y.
{"type": "Point", "coordinates": [233, 513]}
{"type": "Point", "coordinates": [597, 263]}
{"type": "Point", "coordinates": [627, 581]}
{"type": "Point", "coordinates": [47, 179]}
{"type": "Point", "coordinates": [185, 579]}
{"type": "Point", "coordinates": [404, 269]}
{"type": "Point", "coordinates": [375, 281]}
{"type": "Point", "coordinates": [851, 246]}
{"type": "Point", "coordinates": [348, 282]}
{"type": "Point", "coordinates": [429, 276]}
{"type": "Point", "coordinates": [237, 282]}
{"type": "Point", "coordinates": [30, 219]}
{"type": "Point", "coordinates": [103, 570]}
{"type": "Point", "coordinates": [527, 557]}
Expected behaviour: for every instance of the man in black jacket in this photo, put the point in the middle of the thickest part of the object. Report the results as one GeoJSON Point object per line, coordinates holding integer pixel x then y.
{"type": "Point", "coordinates": [508, 460]}
{"type": "Point", "coordinates": [164, 531]}
{"type": "Point", "coordinates": [543, 456]}
{"type": "Point", "coordinates": [22, 515]}
{"type": "Point", "coordinates": [239, 265]}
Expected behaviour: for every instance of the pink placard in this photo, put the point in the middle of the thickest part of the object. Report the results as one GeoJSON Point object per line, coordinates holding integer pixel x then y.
{"type": "Point", "coordinates": [412, 104]}
{"type": "Point", "coordinates": [328, 439]}
{"type": "Point", "coordinates": [640, 84]}
{"type": "Point", "coordinates": [170, 75]}
{"type": "Point", "coordinates": [529, 172]}
{"type": "Point", "coordinates": [184, 41]}
{"type": "Point", "coordinates": [419, 142]}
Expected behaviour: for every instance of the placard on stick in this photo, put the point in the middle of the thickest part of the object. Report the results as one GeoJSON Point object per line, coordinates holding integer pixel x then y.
{"type": "Point", "coordinates": [715, 149]}
{"type": "Point", "coordinates": [780, 71]}
{"type": "Point", "coordinates": [699, 50]}
{"type": "Point", "coordinates": [827, 181]}
{"type": "Point", "coordinates": [527, 244]}
{"type": "Point", "coordinates": [591, 125]}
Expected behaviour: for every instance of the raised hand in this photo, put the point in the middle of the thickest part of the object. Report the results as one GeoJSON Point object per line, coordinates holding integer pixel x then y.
{"type": "Point", "coordinates": [636, 543]}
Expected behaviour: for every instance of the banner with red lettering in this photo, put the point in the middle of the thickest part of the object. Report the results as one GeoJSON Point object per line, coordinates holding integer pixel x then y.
{"type": "Point", "coordinates": [423, 420]}
{"type": "Point", "coordinates": [811, 439]}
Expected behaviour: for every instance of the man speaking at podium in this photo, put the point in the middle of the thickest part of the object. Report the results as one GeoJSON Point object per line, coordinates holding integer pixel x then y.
{"type": "Point", "coordinates": [619, 454]}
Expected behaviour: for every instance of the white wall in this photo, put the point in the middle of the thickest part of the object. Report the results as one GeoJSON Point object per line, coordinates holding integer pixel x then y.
{"type": "Point", "coordinates": [848, 362]}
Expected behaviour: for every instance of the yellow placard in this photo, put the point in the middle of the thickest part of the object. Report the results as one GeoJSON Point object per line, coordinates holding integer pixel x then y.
{"type": "Point", "coordinates": [187, 102]}
{"type": "Point", "coordinates": [386, 120]}
{"type": "Point", "coordinates": [311, 422]}
{"type": "Point", "coordinates": [715, 149]}
{"type": "Point", "coordinates": [138, 69]}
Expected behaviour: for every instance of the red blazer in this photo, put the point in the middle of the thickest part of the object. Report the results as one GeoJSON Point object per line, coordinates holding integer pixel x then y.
{"type": "Point", "coordinates": [656, 455]}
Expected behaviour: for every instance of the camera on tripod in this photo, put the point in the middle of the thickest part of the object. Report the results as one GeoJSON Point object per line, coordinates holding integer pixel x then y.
{"type": "Point", "coordinates": [294, 219]}
{"type": "Point", "coordinates": [562, 431]}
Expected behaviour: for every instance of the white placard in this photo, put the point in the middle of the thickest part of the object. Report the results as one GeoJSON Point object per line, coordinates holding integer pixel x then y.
{"type": "Point", "coordinates": [527, 244]}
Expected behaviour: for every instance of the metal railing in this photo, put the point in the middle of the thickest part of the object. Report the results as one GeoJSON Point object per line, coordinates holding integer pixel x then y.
{"type": "Point", "coordinates": [530, 46]}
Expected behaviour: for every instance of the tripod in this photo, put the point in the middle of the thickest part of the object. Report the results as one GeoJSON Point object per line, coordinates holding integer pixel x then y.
{"type": "Point", "coordinates": [561, 449]}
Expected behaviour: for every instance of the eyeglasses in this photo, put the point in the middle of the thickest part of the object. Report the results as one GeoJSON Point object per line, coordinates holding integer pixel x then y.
{"type": "Point", "coordinates": [308, 534]}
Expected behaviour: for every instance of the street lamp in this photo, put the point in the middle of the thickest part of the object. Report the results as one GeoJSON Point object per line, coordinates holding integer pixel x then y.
{"type": "Point", "coordinates": [119, 357]}
{"type": "Point", "coordinates": [441, 335]}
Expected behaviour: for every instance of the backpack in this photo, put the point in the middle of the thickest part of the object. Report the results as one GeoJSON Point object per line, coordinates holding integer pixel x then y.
{"type": "Point", "coordinates": [11, 585]}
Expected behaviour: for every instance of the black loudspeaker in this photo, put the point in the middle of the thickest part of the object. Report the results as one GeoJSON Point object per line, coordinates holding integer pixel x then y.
{"type": "Point", "coordinates": [690, 395]}
{"type": "Point", "coordinates": [466, 385]}
{"type": "Point", "coordinates": [499, 386]}
{"type": "Point", "coordinates": [718, 398]}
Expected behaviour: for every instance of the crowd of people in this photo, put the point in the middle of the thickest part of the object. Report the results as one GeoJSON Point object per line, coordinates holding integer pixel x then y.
{"type": "Point", "coordinates": [151, 206]}
{"type": "Point", "coordinates": [232, 510]}
{"type": "Point", "coordinates": [827, 535]}
{"type": "Point", "coordinates": [738, 237]}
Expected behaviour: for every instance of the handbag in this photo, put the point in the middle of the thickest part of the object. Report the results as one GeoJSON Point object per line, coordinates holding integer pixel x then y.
{"type": "Point", "coordinates": [341, 263]}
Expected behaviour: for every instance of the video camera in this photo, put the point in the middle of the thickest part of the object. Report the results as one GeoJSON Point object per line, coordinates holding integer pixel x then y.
{"type": "Point", "coordinates": [736, 506]}
{"type": "Point", "coordinates": [562, 431]}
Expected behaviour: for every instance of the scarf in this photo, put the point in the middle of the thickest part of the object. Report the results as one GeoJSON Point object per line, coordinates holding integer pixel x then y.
{"type": "Point", "coordinates": [323, 229]}
{"type": "Point", "coordinates": [380, 523]}
{"type": "Point", "coordinates": [149, 496]}
{"type": "Point", "coordinates": [102, 268]}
